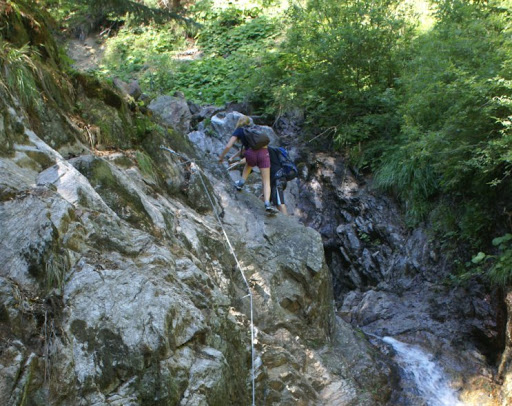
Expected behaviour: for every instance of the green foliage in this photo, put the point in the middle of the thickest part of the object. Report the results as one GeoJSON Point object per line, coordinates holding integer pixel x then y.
{"type": "Point", "coordinates": [499, 266]}
{"type": "Point", "coordinates": [230, 41]}
{"type": "Point", "coordinates": [76, 13]}
{"type": "Point", "coordinates": [455, 138]}
{"type": "Point", "coordinates": [137, 49]}
{"type": "Point", "coordinates": [501, 271]}
{"type": "Point", "coordinates": [19, 72]}
{"type": "Point", "coordinates": [146, 165]}
{"type": "Point", "coordinates": [338, 63]}
{"type": "Point", "coordinates": [409, 173]}
{"type": "Point", "coordinates": [231, 30]}
{"type": "Point", "coordinates": [213, 79]}
{"type": "Point", "coordinates": [66, 12]}
{"type": "Point", "coordinates": [55, 271]}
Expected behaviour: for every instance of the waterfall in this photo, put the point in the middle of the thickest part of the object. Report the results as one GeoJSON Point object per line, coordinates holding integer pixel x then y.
{"type": "Point", "coordinates": [428, 377]}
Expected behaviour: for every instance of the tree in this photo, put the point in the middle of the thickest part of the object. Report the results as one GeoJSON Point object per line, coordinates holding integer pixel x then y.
{"type": "Point", "coordinates": [339, 60]}
{"type": "Point", "coordinates": [451, 161]}
{"type": "Point", "coordinates": [84, 16]}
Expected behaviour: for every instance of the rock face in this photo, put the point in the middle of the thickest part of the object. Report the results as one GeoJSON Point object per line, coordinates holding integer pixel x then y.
{"type": "Point", "coordinates": [390, 281]}
{"type": "Point", "coordinates": [118, 286]}
{"type": "Point", "coordinates": [173, 112]}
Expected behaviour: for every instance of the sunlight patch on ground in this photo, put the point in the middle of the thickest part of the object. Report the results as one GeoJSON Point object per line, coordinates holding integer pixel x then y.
{"type": "Point", "coordinates": [86, 55]}
{"type": "Point", "coordinates": [191, 53]}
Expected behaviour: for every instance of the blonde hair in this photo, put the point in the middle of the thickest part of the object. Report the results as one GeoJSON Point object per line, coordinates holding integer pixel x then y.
{"type": "Point", "coordinates": [244, 120]}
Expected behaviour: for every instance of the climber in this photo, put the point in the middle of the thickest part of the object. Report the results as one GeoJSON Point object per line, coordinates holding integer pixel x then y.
{"type": "Point", "coordinates": [254, 157]}
{"type": "Point", "coordinates": [278, 180]}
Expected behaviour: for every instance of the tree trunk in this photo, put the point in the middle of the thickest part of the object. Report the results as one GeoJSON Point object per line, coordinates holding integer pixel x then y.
{"type": "Point", "coordinates": [504, 370]}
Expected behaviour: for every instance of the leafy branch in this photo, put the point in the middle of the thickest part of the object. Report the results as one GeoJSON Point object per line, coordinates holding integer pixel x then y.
{"type": "Point", "coordinates": [500, 271]}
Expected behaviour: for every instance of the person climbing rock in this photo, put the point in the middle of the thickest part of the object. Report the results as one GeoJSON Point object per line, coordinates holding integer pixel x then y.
{"type": "Point", "coordinates": [254, 157]}
{"type": "Point", "coordinates": [278, 180]}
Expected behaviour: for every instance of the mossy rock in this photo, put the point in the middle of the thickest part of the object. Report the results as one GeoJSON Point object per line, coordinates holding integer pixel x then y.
{"type": "Point", "coordinates": [180, 143]}
{"type": "Point", "coordinates": [169, 138]}
{"type": "Point", "coordinates": [96, 89]}
{"type": "Point", "coordinates": [115, 128]}
{"type": "Point", "coordinates": [57, 86]}
{"type": "Point", "coordinates": [103, 106]}
{"type": "Point", "coordinates": [6, 133]}
{"type": "Point", "coordinates": [51, 126]}
{"type": "Point", "coordinates": [111, 353]}
{"type": "Point", "coordinates": [25, 24]}
{"type": "Point", "coordinates": [171, 175]}
{"type": "Point", "coordinates": [46, 92]}
{"type": "Point", "coordinates": [126, 203]}
{"type": "Point", "coordinates": [200, 194]}
{"type": "Point", "coordinates": [160, 386]}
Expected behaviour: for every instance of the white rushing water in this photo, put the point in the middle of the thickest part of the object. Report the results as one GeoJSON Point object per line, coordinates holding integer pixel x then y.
{"type": "Point", "coordinates": [428, 377]}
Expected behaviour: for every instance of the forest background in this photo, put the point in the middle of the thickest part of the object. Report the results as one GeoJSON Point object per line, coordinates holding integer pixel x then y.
{"type": "Point", "coordinates": [417, 95]}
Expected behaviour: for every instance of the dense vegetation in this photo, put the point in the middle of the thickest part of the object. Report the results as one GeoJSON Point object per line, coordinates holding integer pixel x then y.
{"type": "Point", "coordinates": [421, 101]}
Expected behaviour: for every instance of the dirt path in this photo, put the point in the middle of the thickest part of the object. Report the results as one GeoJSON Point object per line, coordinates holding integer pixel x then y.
{"type": "Point", "coordinates": [87, 55]}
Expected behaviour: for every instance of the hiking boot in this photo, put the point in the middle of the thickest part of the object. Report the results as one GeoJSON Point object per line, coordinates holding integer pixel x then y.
{"type": "Point", "coordinates": [270, 210]}
{"type": "Point", "coordinates": [239, 184]}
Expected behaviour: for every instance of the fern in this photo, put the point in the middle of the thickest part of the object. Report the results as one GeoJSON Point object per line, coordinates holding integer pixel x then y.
{"type": "Point", "coordinates": [19, 71]}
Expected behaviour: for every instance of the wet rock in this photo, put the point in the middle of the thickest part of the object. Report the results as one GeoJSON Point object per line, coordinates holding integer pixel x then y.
{"type": "Point", "coordinates": [390, 280]}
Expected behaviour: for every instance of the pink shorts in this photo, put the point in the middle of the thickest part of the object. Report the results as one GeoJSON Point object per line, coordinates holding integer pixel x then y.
{"type": "Point", "coordinates": [259, 158]}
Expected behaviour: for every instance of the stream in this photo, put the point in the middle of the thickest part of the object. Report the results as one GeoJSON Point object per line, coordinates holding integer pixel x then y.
{"type": "Point", "coordinates": [422, 380]}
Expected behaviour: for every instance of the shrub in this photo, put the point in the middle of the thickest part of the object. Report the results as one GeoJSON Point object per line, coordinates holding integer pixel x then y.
{"type": "Point", "coordinates": [454, 143]}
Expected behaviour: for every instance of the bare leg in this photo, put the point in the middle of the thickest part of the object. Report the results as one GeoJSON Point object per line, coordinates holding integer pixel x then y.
{"type": "Point", "coordinates": [282, 208]}
{"type": "Point", "coordinates": [265, 178]}
{"type": "Point", "coordinates": [247, 172]}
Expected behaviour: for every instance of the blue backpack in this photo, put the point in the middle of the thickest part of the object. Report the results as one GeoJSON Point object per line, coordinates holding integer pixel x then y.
{"type": "Point", "coordinates": [289, 169]}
